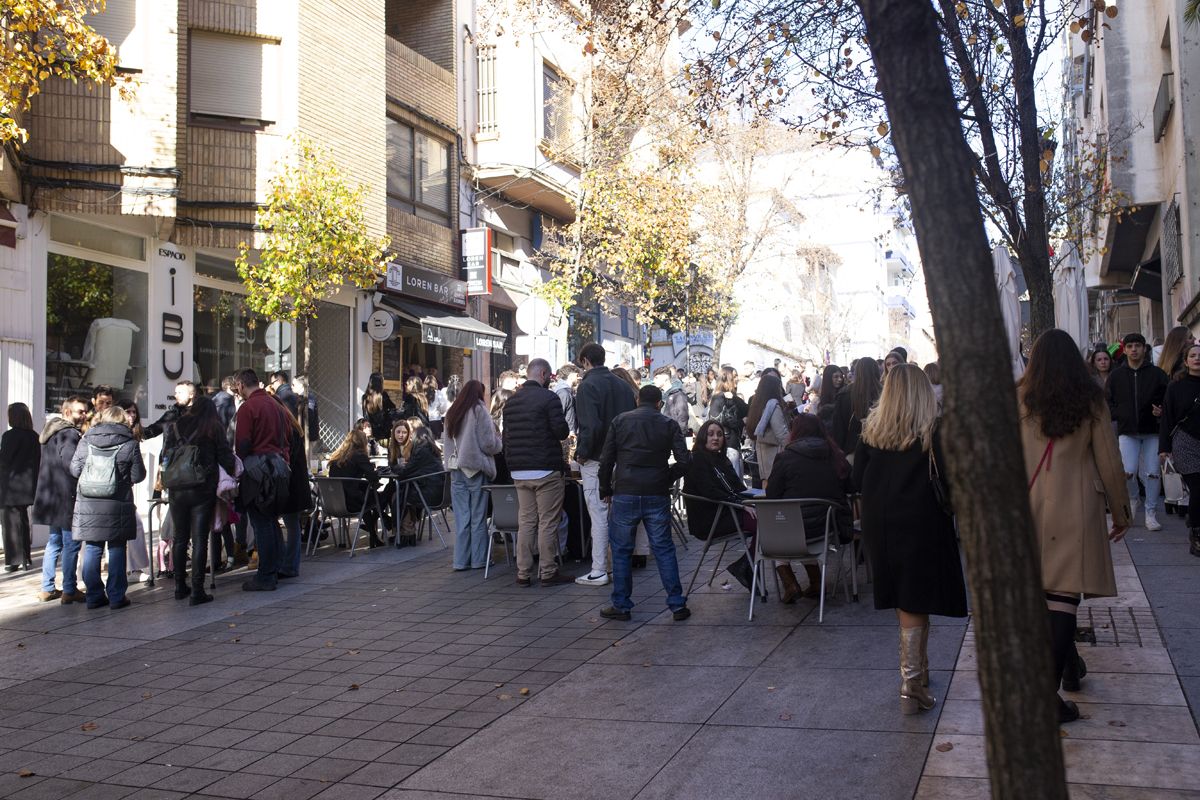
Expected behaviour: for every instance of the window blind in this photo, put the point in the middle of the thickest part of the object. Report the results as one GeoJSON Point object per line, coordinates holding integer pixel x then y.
{"type": "Point", "coordinates": [234, 76]}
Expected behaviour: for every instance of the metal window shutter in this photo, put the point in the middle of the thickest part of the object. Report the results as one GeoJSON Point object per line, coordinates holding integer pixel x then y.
{"type": "Point", "coordinates": [116, 23]}
{"type": "Point", "coordinates": [234, 76]}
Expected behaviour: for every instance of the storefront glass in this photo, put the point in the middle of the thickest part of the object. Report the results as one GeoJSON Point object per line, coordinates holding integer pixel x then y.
{"type": "Point", "coordinates": [230, 337]}
{"type": "Point", "coordinates": [96, 320]}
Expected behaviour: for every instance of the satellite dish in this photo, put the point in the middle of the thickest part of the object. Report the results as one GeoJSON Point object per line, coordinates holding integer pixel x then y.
{"type": "Point", "coordinates": [533, 315]}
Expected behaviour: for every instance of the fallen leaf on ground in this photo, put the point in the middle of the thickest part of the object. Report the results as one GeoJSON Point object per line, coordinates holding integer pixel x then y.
{"type": "Point", "coordinates": [353, 652]}
{"type": "Point", "coordinates": [785, 716]}
{"type": "Point", "coordinates": [146, 695]}
{"type": "Point", "coordinates": [25, 773]}
{"type": "Point", "coordinates": [524, 691]}
{"type": "Point", "coordinates": [354, 687]}
{"type": "Point", "coordinates": [233, 624]}
{"type": "Point", "coordinates": [1116, 723]}
{"type": "Point", "coordinates": [1062, 734]}
{"type": "Point", "coordinates": [20, 645]}
{"type": "Point", "coordinates": [329, 644]}
{"type": "Point", "coordinates": [88, 726]}
{"type": "Point", "coordinates": [236, 639]}
{"type": "Point", "coordinates": [944, 747]}
{"type": "Point", "coordinates": [593, 619]}
{"type": "Point", "coordinates": [505, 696]}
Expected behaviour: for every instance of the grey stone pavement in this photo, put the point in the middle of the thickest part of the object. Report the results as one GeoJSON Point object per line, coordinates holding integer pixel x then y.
{"type": "Point", "coordinates": [391, 676]}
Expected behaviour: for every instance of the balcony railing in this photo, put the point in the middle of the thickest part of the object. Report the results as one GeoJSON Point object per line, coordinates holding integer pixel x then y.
{"type": "Point", "coordinates": [1163, 104]}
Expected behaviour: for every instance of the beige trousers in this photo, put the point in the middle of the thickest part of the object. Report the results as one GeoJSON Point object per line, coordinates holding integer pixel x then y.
{"type": "Point", "coordinates": [539, 509]}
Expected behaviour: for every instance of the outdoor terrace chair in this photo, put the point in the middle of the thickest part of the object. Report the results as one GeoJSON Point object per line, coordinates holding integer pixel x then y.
{"type": "Point", "coordinates": [333, 506]}
{"type": "Point", "coordinates": [429, 506]}
{"type": "Point", "coordinates": [724, 507]}
{"type": "Point", "coordinates": [505, 521]}
{"type": "Point", "coordinates": [782, 537]}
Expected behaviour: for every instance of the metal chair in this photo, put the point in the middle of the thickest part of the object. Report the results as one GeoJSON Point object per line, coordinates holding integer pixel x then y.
{"type": "Point", "coordinates": [782, 537]}
{"type": "Point", "coordinates": [440, 504]}
{"type": "Point", "coordinates": [723, 507]}
{"type": "Point", "coordinates": [333, 506]}
{"type": "Point", "coordinates": [677, 514]}
{"type": "Point", "coordinates": [505, 521]}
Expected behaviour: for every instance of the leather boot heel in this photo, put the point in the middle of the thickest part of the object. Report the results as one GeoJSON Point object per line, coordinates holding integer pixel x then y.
{"type": "Point", "coordinates": [912, 693]}
{"type": "Point", "coordinates": [909, 706]}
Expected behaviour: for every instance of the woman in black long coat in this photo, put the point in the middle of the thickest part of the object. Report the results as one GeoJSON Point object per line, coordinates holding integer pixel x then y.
{"type": "Point", "coordinates": [20, 456]}
{"type": "Point", "coordinates": [711, 474]}
{"type": "Point", "coordinates": [910, 538]}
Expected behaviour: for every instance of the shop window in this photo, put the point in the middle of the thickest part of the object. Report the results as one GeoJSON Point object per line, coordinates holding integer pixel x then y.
{"type": "Point", "coordinates": [502, 320]}
{"type": "Point", "coordinates": [234, 77]}
{"type": "Point", "coordinates": [93, 237]}
{"type": "Point", "coordinates": [215, 267]}
{"type": "Point", "coordinates": [95, 330]}
{"type": "Point", "coordinates": [418, 172]}
{"type": "Point", "coordinates": [228, 337]}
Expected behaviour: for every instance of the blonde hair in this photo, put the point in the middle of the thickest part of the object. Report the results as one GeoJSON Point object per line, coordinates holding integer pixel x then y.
{"type": "Point", "coordinates": [906, 411]}
{"type": "Point", "coordinates": [354, 442]}
{"type": "Point", "coordinates": [111, 414]}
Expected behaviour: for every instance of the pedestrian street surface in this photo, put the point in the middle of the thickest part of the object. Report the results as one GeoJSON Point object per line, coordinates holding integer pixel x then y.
{"type": "Point", "coordinates": [391, 676]}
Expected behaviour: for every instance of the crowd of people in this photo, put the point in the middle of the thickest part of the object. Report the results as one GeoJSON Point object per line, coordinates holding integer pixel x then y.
{"type": "Point", "coordinates": [1098, 433]}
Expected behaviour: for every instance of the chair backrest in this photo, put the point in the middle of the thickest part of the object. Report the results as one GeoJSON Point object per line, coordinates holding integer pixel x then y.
{"type": "Point", "coordinates": [333, 495]}
{"type": "Point", "coordinates": [504, 507]}
{"type": "Point", "coordinates": [781, 532]}
{"type": "Point", "coordinates": [694, 502]}
{"type": "Point", "coordinates": [444, 501]}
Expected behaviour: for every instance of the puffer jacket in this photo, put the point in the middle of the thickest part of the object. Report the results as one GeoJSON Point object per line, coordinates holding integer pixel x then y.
{"type": "Point", "coordinates": [54, 502]}
{"type": "Point", "coordinates": [805, 468]}
{"type": "Point", "coordinates": [104, 520]}
{"type": "Point", "coordinates": [635, 456]}
{"type": "Point", "coordinates": [534, 427]}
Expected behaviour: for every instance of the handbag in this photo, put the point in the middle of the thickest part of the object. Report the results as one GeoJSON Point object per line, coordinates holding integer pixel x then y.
{"type": "Point", "coordinates": [452, 458]}
{"type": "Point", "coordinates": [940, 492]}
{"type": "Point", "coordinates": [184, 470]}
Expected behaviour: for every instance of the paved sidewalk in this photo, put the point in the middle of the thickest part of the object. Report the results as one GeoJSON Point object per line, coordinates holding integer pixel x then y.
{"type": "Point", "coordinates": [390, 676]}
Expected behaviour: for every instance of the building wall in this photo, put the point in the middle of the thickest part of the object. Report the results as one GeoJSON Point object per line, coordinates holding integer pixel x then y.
{"type": "Point", "coordinates": [426, 26]}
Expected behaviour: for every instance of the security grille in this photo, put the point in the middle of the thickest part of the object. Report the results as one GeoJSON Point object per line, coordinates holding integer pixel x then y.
{"type": "Point", "coordinates": [1172, 263]}
{"type": "Point", "coordinates": [329, 377]}
{"type": "Point", "coordinates": [488, 92]}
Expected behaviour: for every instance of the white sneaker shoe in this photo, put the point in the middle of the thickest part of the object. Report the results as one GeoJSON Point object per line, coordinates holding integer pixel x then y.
{"type": "Point", "coordinates": [1152, 523]}
{"type": "Point", "coordinates": [593, 579]}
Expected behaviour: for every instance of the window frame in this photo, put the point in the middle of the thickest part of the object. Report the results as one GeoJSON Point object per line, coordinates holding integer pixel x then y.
{"type": "Point", "coordinates": [555, 112]}
{"type": "Point", "coordinates": [412, 204]}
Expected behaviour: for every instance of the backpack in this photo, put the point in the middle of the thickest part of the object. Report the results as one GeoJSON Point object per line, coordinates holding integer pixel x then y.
{"type": "Point", "coordinates": [184, 470]}
{"type": "Point", "coordinates": [98, 480]}
{"type": "Point", "coordinates": [729, 416]}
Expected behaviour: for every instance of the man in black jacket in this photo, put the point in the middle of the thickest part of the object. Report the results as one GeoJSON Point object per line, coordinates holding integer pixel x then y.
{"type": "Point", "coordinates": [1135, 395]}
{"type": "Point", "coordinates": [636, 479]}
{"type": "Point", "coordinates": [534, 427]}
{"type": "Point", "coordinates": [601, 396]}
{"type": "Point", "coordinates": [281, 387]}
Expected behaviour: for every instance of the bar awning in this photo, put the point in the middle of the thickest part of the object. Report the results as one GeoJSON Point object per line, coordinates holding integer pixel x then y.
{"type": "Point", "coordinates": [445, 327]}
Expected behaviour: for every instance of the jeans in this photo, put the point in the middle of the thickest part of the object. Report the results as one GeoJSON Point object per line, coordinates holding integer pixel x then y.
{"type": "Point", "coordinates": [60, 542]}
{"type": "Point", "coordinates": [655, 513]}
{"type": "Point", "coordinates": [290, 563]}
{"type": "Point", "coordinates": [1139, 455]}
{"type": "Point", "coordinates": [539, 512]}
{"type": "Point", "coordinates": [469, 501]}
{"type": "Point", "coordinates": [598, 511]}
{"type": "Point", "coordinates": [117, 582]}
{"type": "Point", "coordinates": [269, 544]}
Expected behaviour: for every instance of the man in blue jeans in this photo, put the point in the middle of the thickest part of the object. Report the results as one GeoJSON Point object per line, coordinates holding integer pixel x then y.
{"type": "Point", "coordinates": [635, 479]}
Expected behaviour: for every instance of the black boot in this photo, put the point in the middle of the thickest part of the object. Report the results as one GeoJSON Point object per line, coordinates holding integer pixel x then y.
{"type": "Point", "coordinates": [1194, 540]}
{"type": "Point", "coordinates": [1062, 643]}
{"type": "Point", "coordinates": [1074, 671]}
{"type": "Point", "coordinates": [740, 569]}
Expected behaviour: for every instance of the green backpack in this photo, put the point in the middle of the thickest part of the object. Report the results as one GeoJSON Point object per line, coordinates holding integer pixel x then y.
{"type": "Point", "coordinates": [98, 480]}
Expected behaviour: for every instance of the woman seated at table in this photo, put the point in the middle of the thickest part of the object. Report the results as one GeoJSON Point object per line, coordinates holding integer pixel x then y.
{"type": "Point", "coordinates": [711, 474]}
{"type": "Point", "coordinates": [811, 466]}
{"type": "Point", "coordinates": [423, 458]}
{"type": "Point", "coordinates": [350, 460]}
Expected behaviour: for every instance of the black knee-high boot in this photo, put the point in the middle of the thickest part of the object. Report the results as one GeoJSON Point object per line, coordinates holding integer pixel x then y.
{"type": "Point", "coordinates": [1062, 638]}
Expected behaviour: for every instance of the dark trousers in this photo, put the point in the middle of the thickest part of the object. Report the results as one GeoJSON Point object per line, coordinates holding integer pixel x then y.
{"type": "Point", "coordinates": [191, 516]}
{"type": "Point", "coordinates": [15, 520]}
{"type": "Point", "coordinates": [269, 543]}
{"type": "Point", "coordinates": [1192, 482]}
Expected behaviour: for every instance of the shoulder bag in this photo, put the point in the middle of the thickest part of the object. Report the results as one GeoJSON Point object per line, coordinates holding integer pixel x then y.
{"type": "Point", "coordinates": [184, 470]}
{"type": "Point", "coordinates": [940, 492]}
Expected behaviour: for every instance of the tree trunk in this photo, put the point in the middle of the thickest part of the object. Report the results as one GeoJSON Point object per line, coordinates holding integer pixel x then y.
{"type": "Point", "coordinates": [308, 372]}
{"type": "Point", "coordinates": [985, 462]}
{"type": "Point", "coordinates": [1035, 248]}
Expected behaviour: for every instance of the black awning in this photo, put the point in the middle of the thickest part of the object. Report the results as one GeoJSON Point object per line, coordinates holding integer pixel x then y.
{"type": "Point", "coordinates": [1147, 280]}
{"type": "Point", "coordinates": [445, 327]}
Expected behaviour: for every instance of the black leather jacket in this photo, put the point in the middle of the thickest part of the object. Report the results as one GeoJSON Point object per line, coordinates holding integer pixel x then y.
{"type": "Point", "coordinates": [634, 459]}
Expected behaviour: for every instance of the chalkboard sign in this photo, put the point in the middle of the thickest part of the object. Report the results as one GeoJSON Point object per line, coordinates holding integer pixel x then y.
{"type": "Point", "coordinates": [392, 362]}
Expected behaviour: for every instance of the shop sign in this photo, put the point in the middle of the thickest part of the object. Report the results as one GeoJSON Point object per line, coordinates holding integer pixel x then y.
{"type": "Point", "coordinates": [453, 337]}
{"type": "Point", "coordinates": [477, 260]}
{"type": "Point", "coordinates": [171, 287]}
{"type": "Point", "coordinates": [425, 284]}
{"type": "Point", "coordinates": [381, 325]}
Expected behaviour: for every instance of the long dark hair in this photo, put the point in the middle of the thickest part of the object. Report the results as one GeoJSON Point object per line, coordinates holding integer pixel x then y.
{"type": "Point", "coordinates": [129, 405]}
{"type": "Point", "coordinates": [809, 426]}
{"type": "Point", "coordinates": [700, 442]}
{"type": "Point", "coordinates": [1057, 388]}
{"type": "Point", "coordinates": [828, 390]}
{"type": "Point", "coordinates": [866, 387]}
{"type": "Point", "coordinates": [201, 419]}
{"type": "Point", "coordinates": [470, 396]}
{"type": "Point", "coordinates": [372, 402]}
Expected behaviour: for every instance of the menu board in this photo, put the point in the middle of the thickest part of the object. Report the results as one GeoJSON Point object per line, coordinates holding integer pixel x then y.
{"type": "Point", "coordinates": [392, 365]}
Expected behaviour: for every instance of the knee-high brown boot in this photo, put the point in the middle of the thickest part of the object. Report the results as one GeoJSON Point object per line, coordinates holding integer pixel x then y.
{"type": "Point", "coordinates": [814, 580]}
{"type": "Point", "coordinates": [913, 696]}
{"type": "Point", "coordinates": [791, 587]}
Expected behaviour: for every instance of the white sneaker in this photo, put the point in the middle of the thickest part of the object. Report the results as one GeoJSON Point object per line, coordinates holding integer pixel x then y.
{"type": "Point", "coordinates": [593, 579]}
{"type": "Point", "coordinates": [1152, 523]}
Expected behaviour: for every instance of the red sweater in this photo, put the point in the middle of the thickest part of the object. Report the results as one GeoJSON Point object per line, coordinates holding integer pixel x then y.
{"type": "Point", "coordinates": [261, 428]}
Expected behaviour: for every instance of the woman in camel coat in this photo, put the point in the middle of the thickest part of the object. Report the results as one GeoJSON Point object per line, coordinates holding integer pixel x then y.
{"type": "Point", "coordinates": [1074, 469]}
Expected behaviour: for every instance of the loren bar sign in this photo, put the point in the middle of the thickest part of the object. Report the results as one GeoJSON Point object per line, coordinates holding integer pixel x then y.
{"type": "Point", "coordinates": [425, 284]}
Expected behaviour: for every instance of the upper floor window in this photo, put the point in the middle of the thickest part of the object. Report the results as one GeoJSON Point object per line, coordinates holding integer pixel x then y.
{"type": "Point", "coordinates": [418, 172]}
{"type": "Point", "coordinates": [556, 108]}
{"type": "Point", "coordinates": [234, 77]}
{"type": "Point", "coordinates": [116, 24]}
{"type": "Point", "coordinates": [489, 123]}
